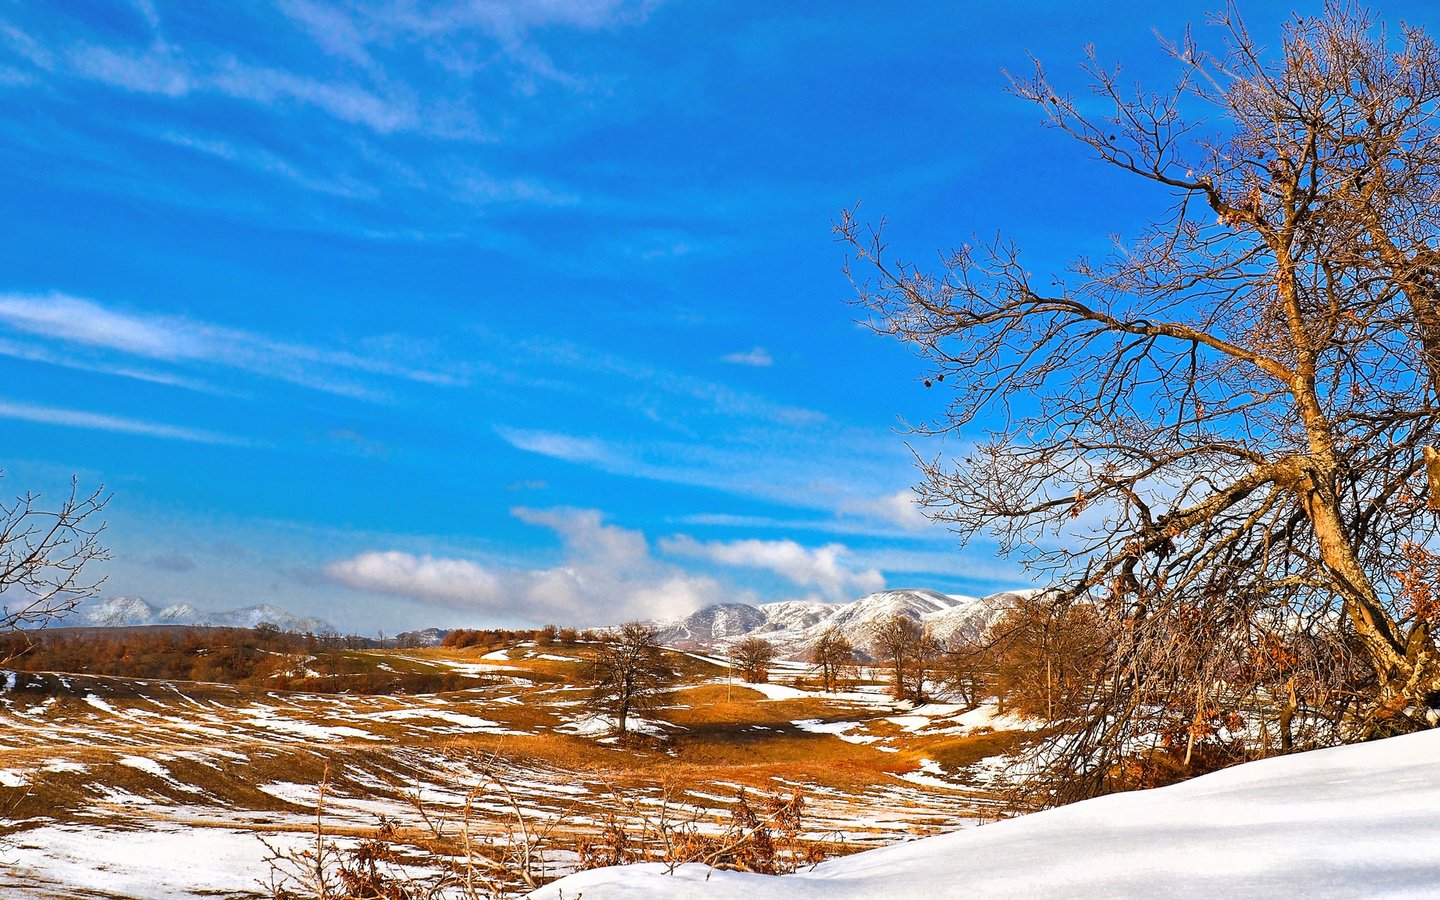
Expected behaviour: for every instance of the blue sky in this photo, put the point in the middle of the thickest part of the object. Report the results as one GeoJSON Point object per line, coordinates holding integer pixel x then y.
{"type": "Point", "coordinates": [494, 313]}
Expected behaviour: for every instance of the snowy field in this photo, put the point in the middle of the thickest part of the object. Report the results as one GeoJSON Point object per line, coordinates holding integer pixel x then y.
{"type": "Point", "coordinates": [133, 788]}
{"type": "Point", "coordinates": [1359, 821]}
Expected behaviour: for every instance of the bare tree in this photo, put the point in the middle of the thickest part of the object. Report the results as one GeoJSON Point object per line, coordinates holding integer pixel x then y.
{"type": "Point", "coordinates": [1221, 430]}
{"type": "Point", "coordinates": [44, 553]}
{"type": "Point", "coordinates": [1045, 657]}
{"type": "Point", "coordinates": [752, 657]}
{"type": "Point", "coordinates": [628, 671]}
{"type": "Point", "coordinates": [834, 659]}
{"type": "Point", "coordinates": [902, 643]}
{"type": "Point", "coordinates": [963, 668]}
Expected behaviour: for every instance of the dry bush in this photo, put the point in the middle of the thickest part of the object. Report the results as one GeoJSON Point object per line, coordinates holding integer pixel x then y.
{"type": "Point", "coordinates": [761, 837]}
{"type": "Point", "coordinates": [478, 861]}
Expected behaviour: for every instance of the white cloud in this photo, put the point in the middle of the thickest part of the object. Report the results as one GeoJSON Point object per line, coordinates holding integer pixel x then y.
{"type": "Point", "coordinates": [607, 576]}
{"type": "Point", "coordinates": [759, 357]}
{"type": "Point", "coordinates": [569, 448]}
{"type": "Point", "coordinates": [173, 339]}
{"type": "Point", "coordinates": [452, 582]}
{"type": "Point", "coordinates": [333, 29]}
{"type": "Point", "coordinates": [899, 508]}
{"type": "Point", "coordinates": [822, 568]}
{"type": "Point", "coordinates": [74, 418]}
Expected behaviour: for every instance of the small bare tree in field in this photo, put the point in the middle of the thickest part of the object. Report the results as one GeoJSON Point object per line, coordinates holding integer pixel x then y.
{"type": "Point", "coordinates": [44, 551]}
{"type": "Point", "coordinates": [1217, 435]}
{"type": "Point", "coordinates": [627, 672]}
{"type": "Point", "coordinates": [833, 657]}
{"type": "Point", "coordinates": [1045, 658]}
{"type": "Point", "coordinates": [911, 653]}
{"type": "Point", "coordinates": [964, 668]}
{"type": "Point", "coordinates": [752, 658]}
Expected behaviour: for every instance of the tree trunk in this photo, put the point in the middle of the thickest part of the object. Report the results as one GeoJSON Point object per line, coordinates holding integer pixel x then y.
{"type": "Point", "coordinates": [1287, 713]}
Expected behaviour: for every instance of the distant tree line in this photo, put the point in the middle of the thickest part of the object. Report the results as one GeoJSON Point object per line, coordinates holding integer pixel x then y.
{"type": "Point", "coordinates": [263, 656]}
{"type": "Point", "coordinates": [502, 637]}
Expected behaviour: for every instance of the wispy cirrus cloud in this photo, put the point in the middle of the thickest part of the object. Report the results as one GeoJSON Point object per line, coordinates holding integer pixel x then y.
{"type": "Point", "coordinates": [77, 322]}
{"type": "Point", "coordinates": [680, 396]}
{"type": "Point", "coordinates": [75, 418]}
{"type": "Point", "coordinates": [818, 469]}
{"type": "Point", "coordinates": [457, 43]}
{"type": "Point", "coordinates": [164, 70]}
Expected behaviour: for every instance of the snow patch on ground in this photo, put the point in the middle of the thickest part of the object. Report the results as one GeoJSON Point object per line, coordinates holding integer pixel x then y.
{"type": "Point", "coordinates": [97, 703]}
{"type": "Point", "coordinates": [146, 765]}
{"type": "Point", "coordinates": [109, 862]}
{"type": "Point", "coordinates": [777, 691]}
{"type": "Point", "coordinates": [591, 726]}
{"type": "Point", "coordinates": [839, 729]}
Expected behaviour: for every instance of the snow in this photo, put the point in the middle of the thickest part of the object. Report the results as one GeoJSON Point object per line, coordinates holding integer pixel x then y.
{"type": "Point", "coordinates": [1358, 821]}
{"type": "Point", "coordinates": [776, 691]}
{"type": "Point", "coordinates": [597, 725]}
{"type": "Point", "coordinates": [839, 729]}
{"type": "Point", "coordinates": [988, 715]}
{"type": "Point", "coordinates": [112, 862]}
{"type": "Point", "coordinates": [146, 765]}
{"type": "Point", "coordinates": [932, 775]}
{"type": "Point", "coordinates": [98, 703]}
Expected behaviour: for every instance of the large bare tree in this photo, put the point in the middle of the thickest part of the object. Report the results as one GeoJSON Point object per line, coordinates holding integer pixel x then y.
{"type": "Point", "coordinates": [627, 672]}
{"type": "Point", "coordinates": [1217, 434]}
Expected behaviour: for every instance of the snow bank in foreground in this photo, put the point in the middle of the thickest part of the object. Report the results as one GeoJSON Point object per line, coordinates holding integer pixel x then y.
{"type": "Point", "coordinates": [1345, 822]}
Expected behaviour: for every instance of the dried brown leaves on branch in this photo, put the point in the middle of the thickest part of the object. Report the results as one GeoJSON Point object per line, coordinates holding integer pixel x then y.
{"type": "Point", "coordinates": [1215, 438]}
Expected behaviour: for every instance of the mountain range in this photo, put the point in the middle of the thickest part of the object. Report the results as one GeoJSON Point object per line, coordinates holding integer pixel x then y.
{"type": "Point", "coordinates": [118, 611]}
{"type": "Point", "coordinates": [794, 625]}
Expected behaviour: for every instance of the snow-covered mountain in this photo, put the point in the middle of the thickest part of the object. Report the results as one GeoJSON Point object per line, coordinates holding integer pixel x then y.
{"type": "Point", "coordinates": [425, 637]}
{"type": "Point", "coordinates": [117, 611]}
{"type": "Point", "coordinates": [794, 625]}
{"type": "Point", "coordinates": [719, 622]}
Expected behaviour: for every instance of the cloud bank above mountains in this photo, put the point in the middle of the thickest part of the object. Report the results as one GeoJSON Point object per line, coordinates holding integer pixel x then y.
{"type": "Point", "coordinates": [606, 573]}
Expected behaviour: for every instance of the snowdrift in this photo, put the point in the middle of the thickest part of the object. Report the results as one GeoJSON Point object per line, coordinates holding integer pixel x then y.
{"type": "Point", "coordinates": [1358, 821]}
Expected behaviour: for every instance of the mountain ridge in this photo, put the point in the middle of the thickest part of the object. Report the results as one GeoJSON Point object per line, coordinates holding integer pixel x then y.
{"type": "Point", "coordinates": [127, 611]}
{"type": "Point", "coordinates": [794, 625]}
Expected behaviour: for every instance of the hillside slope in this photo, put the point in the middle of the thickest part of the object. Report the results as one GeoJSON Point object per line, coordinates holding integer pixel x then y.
{"type": "Point", "coordinates": [1358, 821]}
